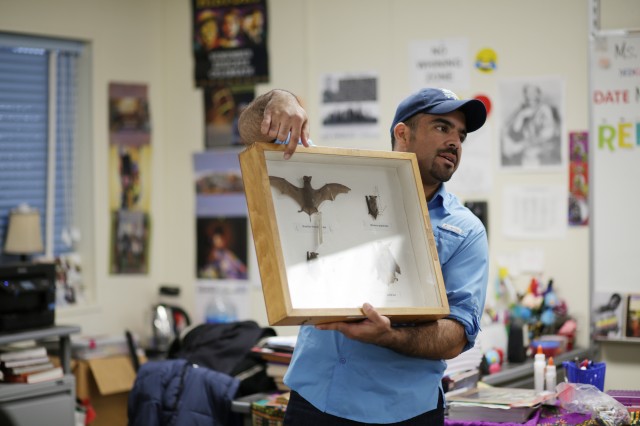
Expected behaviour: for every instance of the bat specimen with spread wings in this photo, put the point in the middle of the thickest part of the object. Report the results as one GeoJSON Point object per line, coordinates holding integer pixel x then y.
{"type": "Point", "coordinates": [308, 199]}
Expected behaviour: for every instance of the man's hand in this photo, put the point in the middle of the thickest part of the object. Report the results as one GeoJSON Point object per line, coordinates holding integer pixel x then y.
{"type": "Point", "coordinates": [375, 329]}
{"type": "Point", "coordinates": [441, 339]}
{"type": "Point", "coordinates": [284, 116]}
{"type": "Point", "coordinates": [275, 115]}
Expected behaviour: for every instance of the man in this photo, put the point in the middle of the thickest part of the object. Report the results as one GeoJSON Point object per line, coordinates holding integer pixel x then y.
{"type": "Point", "coordinates": [373, 372]}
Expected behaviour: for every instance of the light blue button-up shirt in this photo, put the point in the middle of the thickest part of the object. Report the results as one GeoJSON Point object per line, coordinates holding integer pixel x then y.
{"type": "Point", "coordinates": [369, 383]}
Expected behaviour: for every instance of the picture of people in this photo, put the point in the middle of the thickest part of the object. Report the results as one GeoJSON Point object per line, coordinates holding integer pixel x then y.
{"type": "Point", "coordinates": [129, 177]}
{"type": "Point", "coordinates": [607, 315]}
{"type": "Point", "coordinates": [230, 43]}
{"type": "Point", "coordinates": [531, 128]}
{"type": "Point", "coordinates": [633, 315]}
{"type": "Point", "coordinates": [131, 242]}
{"type": "Point", "coordinates": [222, 248]}
{"type": "Point", "coordinates": [578, 179]}
{"type": "Point", "coordinates": [207, 36]}
{"type": "Point", "coordinates": [129, 119]}
{"type": "Point", "coordinates": [223, 105]}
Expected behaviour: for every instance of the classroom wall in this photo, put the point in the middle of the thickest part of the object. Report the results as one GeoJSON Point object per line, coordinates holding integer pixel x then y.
{"type": "Point", "coordinates": [148, 41]}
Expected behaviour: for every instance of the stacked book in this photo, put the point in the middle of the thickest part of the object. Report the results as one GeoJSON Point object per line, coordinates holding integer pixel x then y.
{"type": "Point", "coordinates": [270, 410]}
{"type": "Point", "coordinates": [277, 352]}
{"type": "Point", "coordinates": [27, 364]}
{"type": "Point", "coordinates": [96, 346]}
{"type": "Point", "coordinates": [499, 405]}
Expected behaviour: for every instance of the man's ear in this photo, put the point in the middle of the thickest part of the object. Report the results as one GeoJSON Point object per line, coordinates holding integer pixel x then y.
{"type": "Point", "coordinates": [401, 134]}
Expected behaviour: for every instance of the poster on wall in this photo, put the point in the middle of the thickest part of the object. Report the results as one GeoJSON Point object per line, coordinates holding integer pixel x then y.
{"type": "Point", "coordinates": [129, 170]}
{"type": "Point", "coordinates": [230, 41]}
{"type": "Point", "coordinates": [222, 107]}
{"type": "Point", "coordinates": [129, 118]}
{"type": "Point", "coordinates": [222, 247]}
{"type": "Point", "coordinates": [130, 242]}
{"type": "Point", "coordinates": [221, 216]}
{"type": "Point", "coordinates": [608, 311]}
{"type": "Point", "coordinates": [578, 178]}
{"type": "Point", "coordinates": [531, 124]}
{"type": "Point", "coordinates": [350, 107]}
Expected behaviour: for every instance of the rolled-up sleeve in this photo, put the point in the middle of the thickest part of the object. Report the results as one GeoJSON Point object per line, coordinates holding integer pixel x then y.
{"type": "Point", "coordinates": [464, 258]}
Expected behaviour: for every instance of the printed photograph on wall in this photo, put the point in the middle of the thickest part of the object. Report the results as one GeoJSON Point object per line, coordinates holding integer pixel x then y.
{"type": "Point", "coordinates": [130, 243]}
{"type": "Point", "coordinates": [129, 118]}
{"type": "Point", "coordinates": [222, 106]}
{"type": "Point", "coordinates": [633, 315]}
{"type": "Point", "coordinates": [222, 247]}
{"type": "Point", "coordinates": [578, 179]}
{"type": "Point", "coordinates": [531, 124]}
{"type": "Point", "coordinates": [607, 313]}
{"type": "Point", "coordinates": [129, 177]}
{"type": "Point", "coordinates": [349, 107]}
{"type": "Point", "coordinates": [230, 42]}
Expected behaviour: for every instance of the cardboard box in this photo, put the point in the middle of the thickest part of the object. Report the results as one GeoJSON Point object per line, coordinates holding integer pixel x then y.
{"type": "Point", "coordinates": [106, 383]}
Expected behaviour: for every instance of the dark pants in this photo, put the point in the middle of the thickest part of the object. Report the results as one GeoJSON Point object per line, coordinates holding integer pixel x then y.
{"type": "Point", "coordinates": [302, 413]}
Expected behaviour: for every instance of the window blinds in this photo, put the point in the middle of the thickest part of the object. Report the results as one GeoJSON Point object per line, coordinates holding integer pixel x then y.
{"type": "Point", "coordinates": [25, 140]}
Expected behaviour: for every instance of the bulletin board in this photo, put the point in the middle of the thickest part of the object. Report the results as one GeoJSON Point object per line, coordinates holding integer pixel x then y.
{"type": "Point", "coordinates": [615, 165]}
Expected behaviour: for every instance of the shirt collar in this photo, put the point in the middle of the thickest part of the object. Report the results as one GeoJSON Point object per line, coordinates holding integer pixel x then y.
{"type": "Point", "coordinates": [440, 199]}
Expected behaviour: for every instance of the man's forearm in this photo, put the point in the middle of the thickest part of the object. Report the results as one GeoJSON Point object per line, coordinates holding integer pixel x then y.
{"type": "Point", "coordinates": [442, 339]}
{"type": "Point", "coordinates": [277, 114]}
{"type": "Point", "coordinates": [250, 120]}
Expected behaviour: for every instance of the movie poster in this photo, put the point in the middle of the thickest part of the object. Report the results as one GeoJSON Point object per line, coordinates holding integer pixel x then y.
{"type": "Point", "coordinates": [129, 178]}
{"type": "Point", "coordinates": [222, 107]}
{"type": "Point", "coordinates": [230, 42]}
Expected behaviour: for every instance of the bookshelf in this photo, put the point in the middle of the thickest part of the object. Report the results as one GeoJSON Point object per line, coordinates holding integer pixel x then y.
{"type": "Point", "coordinates": [52, 402]}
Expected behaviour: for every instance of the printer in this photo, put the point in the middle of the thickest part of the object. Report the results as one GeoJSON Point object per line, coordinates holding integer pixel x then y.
{"type": "Point", "coordinates": [27, 296]}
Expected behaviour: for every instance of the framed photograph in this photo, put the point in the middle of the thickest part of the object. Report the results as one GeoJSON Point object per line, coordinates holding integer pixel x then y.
{"type": "Point", "coordinates": [335, 228]}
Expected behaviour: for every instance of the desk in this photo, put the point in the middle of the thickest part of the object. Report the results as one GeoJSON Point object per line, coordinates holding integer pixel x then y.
{"type": "Point", "coordinates": [512, 375]}
{"type": "Point", "coordinates": [52, 402]}
{"type": "Point", "coordinates": [521, 375]}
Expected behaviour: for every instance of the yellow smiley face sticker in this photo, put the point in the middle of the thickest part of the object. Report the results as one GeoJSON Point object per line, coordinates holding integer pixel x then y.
{"type": "Point", "coordinates": [487, 60]}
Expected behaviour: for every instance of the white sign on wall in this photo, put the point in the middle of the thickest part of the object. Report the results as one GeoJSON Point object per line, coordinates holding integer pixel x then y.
{"type": "Point", "coordinates": [439, 63]}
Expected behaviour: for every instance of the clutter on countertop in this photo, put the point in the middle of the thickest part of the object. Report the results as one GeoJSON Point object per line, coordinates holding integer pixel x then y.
{"type": "Point", "coordinates": [586, 398]}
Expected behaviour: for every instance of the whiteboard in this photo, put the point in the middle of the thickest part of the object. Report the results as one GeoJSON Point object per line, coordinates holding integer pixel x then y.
{"type": "Point", "coordinates": [615, 162]}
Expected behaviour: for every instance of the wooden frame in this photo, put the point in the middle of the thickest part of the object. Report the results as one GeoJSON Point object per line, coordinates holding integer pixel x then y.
{"type": "Point", "coordinates": [369, 241]}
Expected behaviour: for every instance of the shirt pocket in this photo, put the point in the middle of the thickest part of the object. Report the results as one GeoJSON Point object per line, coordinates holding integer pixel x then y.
{"type": "Point", "coordinates": [448, 238]}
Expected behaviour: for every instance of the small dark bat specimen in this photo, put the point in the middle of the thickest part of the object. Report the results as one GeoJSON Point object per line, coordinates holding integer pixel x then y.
{"type": "Point", "coordinates": [311, 255]}
{"type": "Point", "coordinates": [308, 199]}
{"type": "Point", "coordinates": [372, 205]}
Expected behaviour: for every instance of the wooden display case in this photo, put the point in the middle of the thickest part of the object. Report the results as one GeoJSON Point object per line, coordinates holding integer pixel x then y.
{"type": "Point", "coordinates": [335, 228]}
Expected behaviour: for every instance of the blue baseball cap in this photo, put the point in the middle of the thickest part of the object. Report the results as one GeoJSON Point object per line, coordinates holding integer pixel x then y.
{"type": "Point", "coordinates": [438, 102]}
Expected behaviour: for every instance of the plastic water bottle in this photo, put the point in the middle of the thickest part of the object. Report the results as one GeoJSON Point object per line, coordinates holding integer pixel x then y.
{"type": "Point", "coordinates": [221, 310]}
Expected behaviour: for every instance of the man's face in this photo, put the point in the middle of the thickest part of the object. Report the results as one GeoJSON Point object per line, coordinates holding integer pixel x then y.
{"type": "Point", "coordinates": [437, 142]}
{"type": "Point", "coordinates": [209, 34]}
